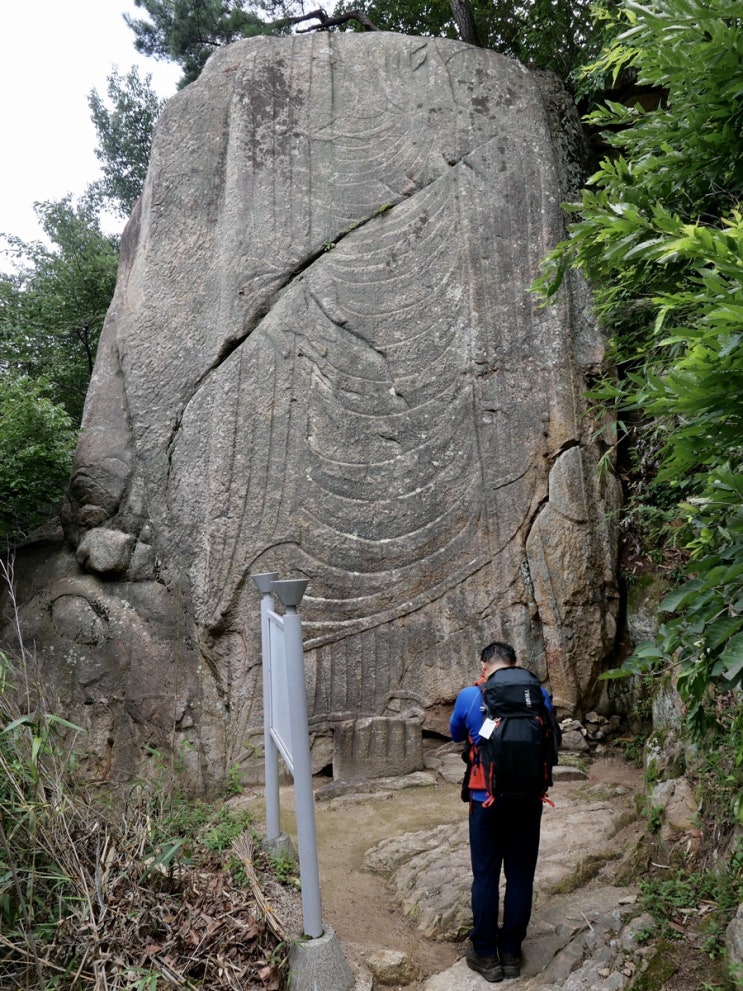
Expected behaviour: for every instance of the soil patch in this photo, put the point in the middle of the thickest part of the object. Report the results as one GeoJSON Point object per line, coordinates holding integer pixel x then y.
{"type": "Point", "coordinates": [357, 903]}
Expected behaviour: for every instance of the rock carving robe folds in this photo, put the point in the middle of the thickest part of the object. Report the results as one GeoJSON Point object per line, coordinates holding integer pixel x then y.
{"type": "Point", "coordinates": [323, 359]}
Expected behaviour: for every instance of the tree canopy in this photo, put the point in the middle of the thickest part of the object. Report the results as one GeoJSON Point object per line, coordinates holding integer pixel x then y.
{"type": "Point", "coordinates": [124, 137]}
{"type": "Point", "coordinates": [559, 35]}
{"type": "Point", "coordinates": [187, 32]}
{"type": "Point", "coordinates": [37, 442]}
{"type": "Point", "coordinates": [52, 308]}
{"type": "Point", "coordinates": [53, 304]}
{"type": "Point", "coordinates": [660, 235]}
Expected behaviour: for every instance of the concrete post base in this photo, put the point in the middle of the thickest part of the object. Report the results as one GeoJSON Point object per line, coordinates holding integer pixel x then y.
{"type": "Point", "coordinates": [319, 965]}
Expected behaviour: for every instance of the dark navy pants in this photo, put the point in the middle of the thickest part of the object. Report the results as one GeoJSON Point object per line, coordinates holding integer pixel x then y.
{"type": "Point", "coordinates": [504, 836]}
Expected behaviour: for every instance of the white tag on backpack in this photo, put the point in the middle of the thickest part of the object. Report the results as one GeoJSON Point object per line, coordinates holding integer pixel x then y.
{"type": "Point", "coordinates": [486, 730]}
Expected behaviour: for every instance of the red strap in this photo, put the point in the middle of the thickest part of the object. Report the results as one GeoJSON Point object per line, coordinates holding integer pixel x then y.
{"type": "Point", "coordinates": [477, 775]}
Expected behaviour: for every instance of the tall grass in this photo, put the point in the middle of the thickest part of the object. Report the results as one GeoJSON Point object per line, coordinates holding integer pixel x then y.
{"type": "Point", "coordinates": [135, 891]}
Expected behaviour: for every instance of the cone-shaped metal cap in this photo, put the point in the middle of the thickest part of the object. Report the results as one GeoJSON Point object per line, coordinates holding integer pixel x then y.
{"type": "Point", "coordinates": [265, 581]}
{"type": "Point", "coordinates": [290, 592]}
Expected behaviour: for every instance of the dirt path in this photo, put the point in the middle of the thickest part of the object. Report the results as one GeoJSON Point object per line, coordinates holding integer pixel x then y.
{"type": "Point", "coordinates": [360, 905]}
{"type": "Point", "coordinates": [357, 903]}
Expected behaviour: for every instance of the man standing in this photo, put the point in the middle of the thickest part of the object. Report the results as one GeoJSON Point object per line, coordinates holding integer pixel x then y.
{"type": "Point", "coordinates": [504, 833]}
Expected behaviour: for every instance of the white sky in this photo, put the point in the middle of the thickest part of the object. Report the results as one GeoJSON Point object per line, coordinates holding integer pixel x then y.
{"type": "Point", "coordinates": [54, 53]}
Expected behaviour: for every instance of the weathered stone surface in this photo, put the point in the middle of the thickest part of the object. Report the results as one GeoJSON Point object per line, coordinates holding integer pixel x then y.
{"type": "Point", "coordinates": [572, 935]}
{"type": "Point", "coordinates": [573, 741]}
{"type": "Point", "coordinates": [392, 967]}
{"type": "Point", "coordinates": [577, 941]}
{"type": "Point", "coordinates": [123, 668]}
{"type": "Point", "coordinates": [323, 359]}
{"type": "Point", "coordinates": [668, 709]}
{"type": "Point", "coordinates": [679, 828]}
{"type": "Point", "coordinates": [345, 792]}
{"type": "Point", "coordinates": [645, 595]}
{"type": "Point", "coordinates": [734, 946]}
{"type": "Point", "coordinates": [376, 747]}
{"type": "Point", "coordinates": [665, 754]}
{"type": "Point", "coordinates": [430, 871]}
{"type": "Point", "coordinates": [581, 942]}
{"type": "Point", "coordinates": [437, 863]}
{"type": "Point", "coordinates": [142, 563]}
{"type": "Point", "coordinates": [572, 542]}
{"type": "Point", "coordinates": [105, 551]}
{"type": "Point", "coordinates": [565, 772]}
{"type": "Point", "coordinates": [75, 618]}
{"type": "Point", "coordinates": [447, 762]}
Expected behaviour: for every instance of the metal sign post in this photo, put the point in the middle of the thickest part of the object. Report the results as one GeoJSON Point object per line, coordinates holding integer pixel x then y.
{"type": "Point", "coordinates": [286, 731]}
{"type": "Point", "coordinates": [271, 752]}
{"type": "Point", "coordinates": [318, 962]}
{"type": "Point", "coordinates": [290, 593]}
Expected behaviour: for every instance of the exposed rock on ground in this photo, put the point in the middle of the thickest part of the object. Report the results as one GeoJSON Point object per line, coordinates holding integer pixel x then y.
{"type": "Point", "coordinates": [395, 877]}
{"type": "Point", "coordinates": [394, 867]}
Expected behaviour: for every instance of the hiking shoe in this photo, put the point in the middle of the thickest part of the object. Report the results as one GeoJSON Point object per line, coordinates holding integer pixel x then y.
{"type": "Point", "coordinates": [511, 965]}
{"type": "Point", "coordinates": [488, 967]}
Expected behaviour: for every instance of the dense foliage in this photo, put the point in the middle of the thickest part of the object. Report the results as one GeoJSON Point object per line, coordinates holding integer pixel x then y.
{"type": "Point", "coordinates": [559, 35]}
{"type": "Point", "coordinates": [124, 137]}
{"type": "Point", "coordinates": [37, 442]}
{"type": "Point", "coordinates": [52, 307]}
{"type": "Point", "coordinates": [660, 235]}
{"type": "Point", "coordinates": [187, 32]}
{"type": "Point", "coordinates": [53, 302]}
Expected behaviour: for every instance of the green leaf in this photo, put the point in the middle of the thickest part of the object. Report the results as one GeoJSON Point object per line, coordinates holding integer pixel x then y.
{"type": "Point", "coordinates": [681, 596]}
{"type": "Point", "coordinates": [732, 659]}
{"type": "Point", "coordinates": [722, 629]}
{"type": "Point", "coordinates": [59, 720]}
{"type": "Point", "coordinates": [15, 723]}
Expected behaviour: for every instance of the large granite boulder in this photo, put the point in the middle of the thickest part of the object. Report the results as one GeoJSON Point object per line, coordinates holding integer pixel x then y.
{"type": "Point", "coordinates": [322, 359]}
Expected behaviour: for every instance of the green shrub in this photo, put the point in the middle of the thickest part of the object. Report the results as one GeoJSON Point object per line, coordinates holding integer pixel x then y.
{"type": "Point", "coordinates": [701, 902]}
{"type": "Point", "coordinates": [37, 443]}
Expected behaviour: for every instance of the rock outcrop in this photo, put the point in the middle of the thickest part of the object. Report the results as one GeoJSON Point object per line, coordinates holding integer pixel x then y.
{"type": "Point", "coordinates": [403, 853]}
{"type": "Point", "coordinates": [323, 359]}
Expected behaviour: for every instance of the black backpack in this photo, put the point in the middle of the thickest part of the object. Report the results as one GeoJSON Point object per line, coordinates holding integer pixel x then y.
{"type": "Point", "coordinates": [518, 756]}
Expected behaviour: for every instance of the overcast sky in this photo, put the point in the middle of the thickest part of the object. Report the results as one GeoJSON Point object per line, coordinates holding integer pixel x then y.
{"type": "Point", "coordinates": [54, 53]}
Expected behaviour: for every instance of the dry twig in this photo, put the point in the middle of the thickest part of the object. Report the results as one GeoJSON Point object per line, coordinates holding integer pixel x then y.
{"type": "Point", "coordinates": [244, 848]}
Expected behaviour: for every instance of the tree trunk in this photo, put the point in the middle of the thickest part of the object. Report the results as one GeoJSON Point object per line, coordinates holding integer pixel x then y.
{"type": "Point", "coordinates": [465, 21]}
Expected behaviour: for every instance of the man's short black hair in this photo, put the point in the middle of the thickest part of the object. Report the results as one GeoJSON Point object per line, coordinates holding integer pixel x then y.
{"type": "Point", "coordinates": [500, 651]}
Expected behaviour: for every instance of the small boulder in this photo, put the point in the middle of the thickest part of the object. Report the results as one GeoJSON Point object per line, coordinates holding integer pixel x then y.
{"type": "Point", "coordinates": [376, 747]}
{"type": "Point", "coordinates": [574, 741]}
{"type": "Point", "coordinates": [105, 551]}
{"type": "Point", "coordinates": [392, 967]}
{"type": "Point", "coordinates": [76, 618]}
{"type": "Point", "coordinates": [567, 772]}
{"type": "Point", "coordinates": [143, 563]}
{"type": "Point", "coordinates": [679, 831]}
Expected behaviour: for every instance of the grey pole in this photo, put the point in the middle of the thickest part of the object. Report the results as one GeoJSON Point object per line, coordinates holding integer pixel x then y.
{"type": "Point", "coordinates": [271, 752]}
{"type": "Point", "coordinates": [290, 593]}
